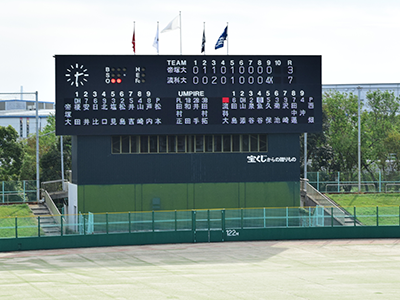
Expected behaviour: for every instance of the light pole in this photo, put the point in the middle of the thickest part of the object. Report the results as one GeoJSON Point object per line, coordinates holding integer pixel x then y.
{"type": "Point", "coordinates": [359, 138]}
{"type": "Point", "coordinates": [62, 160]}
{"type": "Point", "coordinates": [305, 160]}
{"type": "Point", "coordinates": [37, 148]}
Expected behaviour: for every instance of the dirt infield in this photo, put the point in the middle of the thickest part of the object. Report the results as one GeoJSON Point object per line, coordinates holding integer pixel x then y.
{"type": "Point", "coordinates": [318, 269]}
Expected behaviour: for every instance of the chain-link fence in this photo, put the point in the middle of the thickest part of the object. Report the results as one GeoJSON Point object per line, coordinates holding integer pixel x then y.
{"type": "Point", "coordinates": [17, 191]}
{"type": "Point", "coordinates": [344, 182]}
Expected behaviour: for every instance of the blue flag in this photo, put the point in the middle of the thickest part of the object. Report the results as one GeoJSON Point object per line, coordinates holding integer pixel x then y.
{"type": "Point", "coordinates": [222, 38]}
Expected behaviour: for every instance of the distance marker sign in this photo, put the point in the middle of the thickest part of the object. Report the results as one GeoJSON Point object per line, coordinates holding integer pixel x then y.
{"type": "Point", "coordinates": [187, 94]}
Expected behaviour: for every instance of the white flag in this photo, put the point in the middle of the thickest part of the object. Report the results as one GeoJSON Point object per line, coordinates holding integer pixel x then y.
{"type": "Point", "coordinates": [174, 24]}
{"type": "Point", "coordinates": [155, 43]}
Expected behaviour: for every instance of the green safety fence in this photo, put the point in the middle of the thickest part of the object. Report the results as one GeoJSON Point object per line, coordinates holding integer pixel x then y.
{"type": "Point", "coordinates": [344, 182]}
{"type": "Point", "coordinates": [198, 221]}
{"type": "Point", "coordinates": [17, 191]}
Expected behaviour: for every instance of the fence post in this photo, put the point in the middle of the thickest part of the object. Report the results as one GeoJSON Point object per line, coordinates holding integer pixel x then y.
{"type": "Point", "coordinates": [355, 216]}
{"type": "Point", "coordinates": [61, 225]}
{"type": "Point", "coordinates": [287, 217]}
{"type": "Point", "coordinates": [84, 224]}
{"type": "Point", "coordinates": [130, 222]}
{"type": "Point", "coordinates": [223, 223]}
{"type": "Point", "coordinates": [16, 227]}
{"type": "Point", "coordinates": [2, 190]}
{"type": "Point", "coordinates": [208, 220]}
{"type": "Point", "coordinates": [176, 221]}
{"type": "Point", "coordinates": [380, 181]}
{"type": "Point", "coordinates": [338, 181]}
{"type": "Point", "coordinates": [194, 225]}
{"type": "Point", "coordinates": [152, 221]}
{"type": "Point", "coordinates": [241, 218]}
{"type": "Point", "coordinates": [106, 222]}
{"type": "Point", "coordinates": [24, 192]}
{"type": "Point", "coordinates": [38, 226]}
{"type": "Point", "coordinates": [265, 222]}
{"type": "Point", "coordinates": [377, 216]}
{"type": "Point", "coordinates": [332, 216]}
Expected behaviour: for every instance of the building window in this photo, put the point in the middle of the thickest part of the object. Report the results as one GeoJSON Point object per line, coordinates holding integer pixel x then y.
{"type": "Point", "coordinates": [189, 143]}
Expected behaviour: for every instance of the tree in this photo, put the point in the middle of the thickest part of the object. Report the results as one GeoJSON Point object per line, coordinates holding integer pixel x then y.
{"type": "Point", "coordinates": [319, 152]}
{"type": "Point", "coordinates": [392, 144]}
{"type": "Point", "coordinates": [381, 122]}
{"type": "Point", "coordinates": [50, 162]}
{"type": "Point", "coordinates": [49, 154]}
{"type": "Point", "coordinates": [341, 110]}
{"type": "Point", "coordinates": [336, 148]}
{"type": "Point", "coordinates": [11, 152]}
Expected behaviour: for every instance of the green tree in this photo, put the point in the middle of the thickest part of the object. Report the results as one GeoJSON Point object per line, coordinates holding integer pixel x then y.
{"type": "Point", "coordinates": [49, 154]}
{"type": "Point", "coordinates": [50, 162]}
{"type": "Point", "coordinates": [336, 148]}
{"type": "Point", "coordinates": [381, 122]}
{"type": "Point", "coordinates": [319, 152]}
{"type": "Point", "coordinates": [341, 110]}
{"type": "Point", "coordinates": [11, 152]}
{"type": "Point", "coordinates": [392, 144]}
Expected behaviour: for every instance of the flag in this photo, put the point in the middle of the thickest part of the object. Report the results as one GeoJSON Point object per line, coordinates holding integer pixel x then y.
{"type": "Point", "coordinates": [203, 41]}
{"type": "Point", "coordinates": [222, 38]}
{"type": "Point", "coordinates": [174, 24]}
{"type": "Point", "coordinates": [133, 40]}
{"type": "Point", "coordinates": [155, 43]}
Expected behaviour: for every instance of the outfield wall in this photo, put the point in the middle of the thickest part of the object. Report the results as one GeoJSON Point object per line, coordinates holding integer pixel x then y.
{"type": "Point", "coordinates": [197, 226]}
{"type": "Point", "coordinates": [143, 238]}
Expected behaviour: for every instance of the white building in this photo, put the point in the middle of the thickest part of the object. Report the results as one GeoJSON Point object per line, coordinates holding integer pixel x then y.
{"type": "Point", "coordinates": [21, 114]}
{"type": "Point", "coordinates": [364, 88]}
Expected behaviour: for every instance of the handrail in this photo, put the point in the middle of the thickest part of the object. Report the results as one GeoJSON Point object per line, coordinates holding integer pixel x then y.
{"type": "Point", "coordinates": [324, 201]}
{"type": "Point", "coordinates": [55, 185]}
{"type": "Point", "coordinates": [51, 206]}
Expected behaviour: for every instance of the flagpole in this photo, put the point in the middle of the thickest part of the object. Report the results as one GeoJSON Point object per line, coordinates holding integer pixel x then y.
{"type": "Point", "coordinates": [180, 29]}
{"type": "Point", "coordinates": [204, 30]}
{"type": "Point", "coordinates": [158, 39]}
{"type": "Point", "coordinates": [227, 39]}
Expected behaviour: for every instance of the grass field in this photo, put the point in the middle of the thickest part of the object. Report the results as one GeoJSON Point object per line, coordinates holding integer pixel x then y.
{"type": "Point", "coordinates": [368, 206]}
{"type": "Point", "coordinates": [381, 199]}
{"type": "Point", "coordinates": [16, 210]}
{"type": "Point", "coordinates": [27, 224]}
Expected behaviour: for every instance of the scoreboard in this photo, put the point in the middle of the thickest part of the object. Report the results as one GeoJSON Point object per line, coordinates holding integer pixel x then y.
{"type": "Point", "coordinates": [187, 94]}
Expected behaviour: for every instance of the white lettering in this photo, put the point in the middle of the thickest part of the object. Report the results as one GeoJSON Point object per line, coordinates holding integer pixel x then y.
{"type": "Point", "coordinates": [191, 93]}
{"type": "Point", "coordinates": [181, 62]}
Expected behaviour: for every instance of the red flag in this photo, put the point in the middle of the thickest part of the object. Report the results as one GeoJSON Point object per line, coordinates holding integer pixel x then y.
{"type": "Point", "coordinates": [133, 41]}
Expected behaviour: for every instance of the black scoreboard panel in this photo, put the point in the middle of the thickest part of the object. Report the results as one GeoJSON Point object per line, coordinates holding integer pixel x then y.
{"type": "Point", "coordinates": [187, 94]}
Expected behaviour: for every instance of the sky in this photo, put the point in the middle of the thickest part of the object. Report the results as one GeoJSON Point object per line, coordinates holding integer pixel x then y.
{"type": "Point", "coordinates": [358, 40]}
